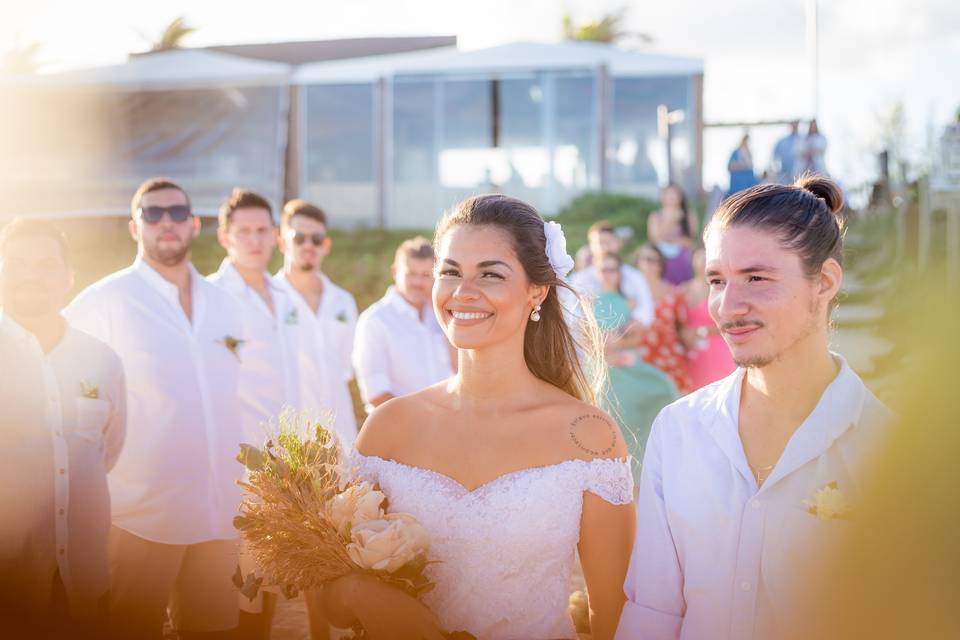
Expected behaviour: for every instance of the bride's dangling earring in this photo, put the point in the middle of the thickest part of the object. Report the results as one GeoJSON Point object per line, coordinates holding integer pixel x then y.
{"type": "Point", "coordinates": [535, 315]}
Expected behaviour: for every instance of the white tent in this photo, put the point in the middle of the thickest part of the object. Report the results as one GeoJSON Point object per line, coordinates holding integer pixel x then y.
{"type": "Point", "coordinates": [79, 143]}
{"type": "Point", "coordinates": [174, 69]}
{"type": "Point", "coordinates": [514, 57]}
{"type": "Point", "coordinates": [396, 139]}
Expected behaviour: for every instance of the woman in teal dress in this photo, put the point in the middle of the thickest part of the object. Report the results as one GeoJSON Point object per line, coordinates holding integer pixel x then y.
{"type": "Point", "coordinates": [637, 391]}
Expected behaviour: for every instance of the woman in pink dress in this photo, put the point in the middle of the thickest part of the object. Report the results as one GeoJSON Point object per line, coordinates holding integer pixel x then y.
{"type": "Point", "coordinates": [708, 358]}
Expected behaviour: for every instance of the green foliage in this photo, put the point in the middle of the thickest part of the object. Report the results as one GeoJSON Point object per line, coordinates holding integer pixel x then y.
{"type": "Point", "coordinates": [173, 35]}
{"type": "Point", "coordinates": [608, 29]}
{"type": "Point", "coordinates": [621, 210]}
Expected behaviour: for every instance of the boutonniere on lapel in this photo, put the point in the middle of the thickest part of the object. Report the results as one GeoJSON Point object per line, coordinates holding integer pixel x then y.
{"type": "Point", "coordinates": [342, 317]}
{"type": "Point", "coordinates": [292, 317]}
{"type": "Point", "coordinates": [88, 390]}
{"type": "Point", "coordinates": [233, 345]}
{"type": "Point", "coordinates": [828, 503]}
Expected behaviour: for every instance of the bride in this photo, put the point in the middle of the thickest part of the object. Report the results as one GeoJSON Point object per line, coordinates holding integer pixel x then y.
{"type": "Point", "coordinates": [509, 464]}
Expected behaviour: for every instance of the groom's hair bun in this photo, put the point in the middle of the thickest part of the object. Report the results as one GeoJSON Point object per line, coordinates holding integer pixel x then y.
{"type": "Point", "coordinates": [806, 217]}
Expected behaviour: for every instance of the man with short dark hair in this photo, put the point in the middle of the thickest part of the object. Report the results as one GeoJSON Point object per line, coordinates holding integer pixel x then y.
{"type": "Point", "coordinates": [326, 316]}
{"type": "Point", "coordinates": [602, 239]}
{"type": "Point", "coordinates": [400, 346]}
{"type": "Point", "coordinates": [174, 489]}
{"type": "Point", "coordinates": [248, 234]}
{"type": "Point", "coordinates": [63, 415]}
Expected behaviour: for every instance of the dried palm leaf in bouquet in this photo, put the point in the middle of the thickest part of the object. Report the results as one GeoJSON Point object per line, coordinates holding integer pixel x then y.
{"type": "Point", "coordinates": [308, 520]}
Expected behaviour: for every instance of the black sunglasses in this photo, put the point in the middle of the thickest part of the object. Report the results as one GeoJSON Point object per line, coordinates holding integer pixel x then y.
{"type": "Point", "coordinates": [153, 215]}
{"type": "Point", "coordinates": [316, 238]}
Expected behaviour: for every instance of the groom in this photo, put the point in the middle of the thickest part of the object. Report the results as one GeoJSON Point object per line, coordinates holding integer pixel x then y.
{"type": "Point", "coordinates": [748, 481]}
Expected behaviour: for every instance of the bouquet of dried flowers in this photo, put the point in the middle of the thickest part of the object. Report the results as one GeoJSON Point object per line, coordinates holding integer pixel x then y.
{"type": "Point", "coordinates": [308, 519]}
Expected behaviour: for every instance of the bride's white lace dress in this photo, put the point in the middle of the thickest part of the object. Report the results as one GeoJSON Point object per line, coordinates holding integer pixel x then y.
{"type": "Point", "coordinates": [505, 549]}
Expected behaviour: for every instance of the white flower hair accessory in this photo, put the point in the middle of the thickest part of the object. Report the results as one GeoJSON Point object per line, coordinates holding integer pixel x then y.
{"type": "Point", "coordinates": [556, 249]}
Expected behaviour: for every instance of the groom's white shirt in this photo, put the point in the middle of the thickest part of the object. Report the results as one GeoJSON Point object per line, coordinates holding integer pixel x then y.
{"type": "Point", "coordinates": [714, 556]}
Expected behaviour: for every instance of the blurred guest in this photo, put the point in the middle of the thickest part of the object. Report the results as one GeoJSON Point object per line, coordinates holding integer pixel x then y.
{"type": "Point", "coordinates": [248, 233]}
{"type": "Point", "coordinates": [63, 425]}
{"type": "Point", "coordinates": [786, 155]}
{"type": "Point", "coordinates": [708, 357]}
{"type": "Point", "coordinates": [814, 150]}
{"type": "Point", "coordinates": [672, 228]}
{"type": "Point", "coordinates": [637, 391]}
{"type": "Point", "coordinates": [174, 488]}
{"type": "Point", "coordinates": [661, 344]}
{"type": "Point", "coordinates": [747, 481]}
{"type": "Point", "coordinates": [325, 319]}
{"type": "Point", "coordinates": [741, 167]}
{"type": "Point", "coordinates": [400, 347]}
{"type": "Point", "coordinates": [602, 239]}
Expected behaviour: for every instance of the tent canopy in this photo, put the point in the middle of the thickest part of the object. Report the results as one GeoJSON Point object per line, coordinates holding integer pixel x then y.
{"type": "Point", "coordinates": [514, 57]}
{"type": "Point", "coordinates": [175, 69]}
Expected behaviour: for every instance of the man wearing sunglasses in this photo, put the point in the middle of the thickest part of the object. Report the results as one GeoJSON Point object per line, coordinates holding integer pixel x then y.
{"type": "Point", "coordinates": [174, 494]}
{"type": "Point", "coordinates": [327, 316]}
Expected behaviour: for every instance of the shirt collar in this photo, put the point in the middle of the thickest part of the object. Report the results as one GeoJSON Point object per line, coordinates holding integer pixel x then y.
{"type": "Point", "coordinates": [230, 277]}
{"type": "Point", "coordinates": [398, 302]}
{"type": "Point", "coordinates": [13, 328]}
{"type": "Point", "coordinates": [837, 411]}
{"type": "Point", "coordinates": [161, 284]}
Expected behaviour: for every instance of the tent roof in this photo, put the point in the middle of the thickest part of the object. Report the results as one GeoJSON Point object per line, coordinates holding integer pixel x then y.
{"type": "Point", "coordinates": [514, 57]}
{"type": "Point", "coordinates": [175, 69]}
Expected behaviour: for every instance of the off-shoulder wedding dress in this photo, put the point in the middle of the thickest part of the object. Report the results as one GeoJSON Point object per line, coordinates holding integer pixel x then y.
{"type": "Point", "coordinates": [505, 549]}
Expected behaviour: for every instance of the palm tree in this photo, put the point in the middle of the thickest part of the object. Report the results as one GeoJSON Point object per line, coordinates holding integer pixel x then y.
{"type": "Point", "coordinates": [21, 59]}
{"type": "Point", "coordinates": [609, 29]}
{"type": "Point", "coordinates": [172, 37]}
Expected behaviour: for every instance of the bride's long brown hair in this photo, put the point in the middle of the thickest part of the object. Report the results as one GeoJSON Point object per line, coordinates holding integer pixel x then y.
{"type": "Point", "coordinates": [565, 348]}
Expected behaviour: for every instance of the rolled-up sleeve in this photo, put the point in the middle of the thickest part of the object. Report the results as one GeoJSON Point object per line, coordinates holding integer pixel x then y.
{"type": "Point", "coordinates": [654, 586]}
{"type": "Point", "coordinates": [371, 360]}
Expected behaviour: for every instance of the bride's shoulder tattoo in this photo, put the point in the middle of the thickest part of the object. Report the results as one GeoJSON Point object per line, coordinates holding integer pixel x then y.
{"type": "Point", "coordinates": [577, 425]}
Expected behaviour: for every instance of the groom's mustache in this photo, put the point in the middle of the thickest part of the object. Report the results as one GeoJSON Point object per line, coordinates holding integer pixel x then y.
{"type": "Point", "coordinates": [741, 324]}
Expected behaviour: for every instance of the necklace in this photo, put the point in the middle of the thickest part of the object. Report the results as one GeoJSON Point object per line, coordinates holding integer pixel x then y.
{"type": "Point", "coordinates": [761, 473]}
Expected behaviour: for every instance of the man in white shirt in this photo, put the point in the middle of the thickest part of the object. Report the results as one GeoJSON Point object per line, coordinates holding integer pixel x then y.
{"type": "Point", "coordinates": [63, 416]}
{"type": "Point", "coordinates": [400, 347]}
{"type": "Point", "coordinates": [326, 316]}
{"type": "Point", "coordinates": [326, 321]}
{"type": "Point", "coordinates": [602, 239]}
{"type": "Point", "coordinates": [746, 482]}
{"type": "Point", "coordinates": [249, 235]}
{"type": "Point", "coordinates": [174, 489]}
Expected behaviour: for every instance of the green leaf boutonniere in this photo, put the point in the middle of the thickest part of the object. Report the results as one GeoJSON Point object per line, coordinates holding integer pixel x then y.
{"type": "Point", "coordinates": [88, 390]}
{"type": "Point", "coordinates": [233, 345]}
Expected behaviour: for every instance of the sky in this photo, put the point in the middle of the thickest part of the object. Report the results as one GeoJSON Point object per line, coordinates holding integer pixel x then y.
{"type": "Point", "coordinates": [874, 54]}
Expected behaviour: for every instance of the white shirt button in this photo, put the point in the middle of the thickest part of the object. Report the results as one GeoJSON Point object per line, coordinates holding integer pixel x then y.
{"type": "Point", "coordinates": [745, 586]}
{"type": "Point", "coordinates": [755, 504]}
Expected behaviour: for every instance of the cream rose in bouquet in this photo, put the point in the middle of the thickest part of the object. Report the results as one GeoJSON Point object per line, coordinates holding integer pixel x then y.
{"type": "Point", "coordinates": [308, 519]}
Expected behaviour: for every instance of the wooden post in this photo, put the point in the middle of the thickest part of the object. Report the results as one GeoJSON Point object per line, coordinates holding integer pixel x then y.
{"type": "Point", "coordinates": [925, 221]}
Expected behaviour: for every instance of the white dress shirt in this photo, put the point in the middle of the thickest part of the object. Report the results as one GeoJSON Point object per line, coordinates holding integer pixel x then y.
{"type": "Point", "coordinates": [270, 354]}
{"type": "Point", "coordinates": [716, 557]}
{"type": "Point", "coordinates": [633, 284]}
{"type": "Point", "coordinates": [64, 418]}
{"type": "Point", "coordinates": [397, 351]}
{"type": "Point", "coordinates": [325, 341]}
{"type": "Point", "coordinates": [175, 482]}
